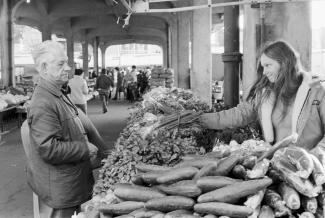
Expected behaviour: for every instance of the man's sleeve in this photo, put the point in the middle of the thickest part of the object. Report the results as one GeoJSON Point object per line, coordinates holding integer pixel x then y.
{"type": "Point", "coordinates": [46, 132]}
{"type": "Point", "coordinates": [93, 135]}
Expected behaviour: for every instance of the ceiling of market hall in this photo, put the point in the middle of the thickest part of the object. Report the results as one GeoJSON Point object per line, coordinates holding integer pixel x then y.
{"type": "Point", "coordinates": [104, 19]}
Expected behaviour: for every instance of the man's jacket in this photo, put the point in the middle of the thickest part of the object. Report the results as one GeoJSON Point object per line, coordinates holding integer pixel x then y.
{"type": "Point", "coordinates": [103, 82]}
{"type": "Point", "coordinates": [58, 163]}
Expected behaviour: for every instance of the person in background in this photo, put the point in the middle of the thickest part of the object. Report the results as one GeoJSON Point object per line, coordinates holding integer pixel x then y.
{"type": "Point", "coordinates": [59, 140]}
{"type": "Point", "coordinates": [143, 82]}
{"type": "Point", "coordinates": [79, 90]}
{"type": "Point", "coordinates": [119, 84]}
{"type": "Point", "coordinates": [110, 74]}
{"type": "Point", "coordinates": [94, 75]}
{"type": "Point", "coordinates": [130, 81]}
{"type": "Point", "coordinates": [104, 85]}
{"type": "Point", "coordinates": [286, 100]}
{"type": "Point", "coordinates": [124, 88]}
{"type": "Point", "coordinates": [134, 71]}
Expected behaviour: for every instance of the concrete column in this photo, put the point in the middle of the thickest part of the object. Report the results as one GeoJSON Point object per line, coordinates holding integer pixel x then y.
{"type": "Point", "coordinates": [169, 47]}
{"type": "Point", "coordinates": [291, 22]}
{"type": "Point", "coordinates": [70, 51]}
{"type": "Point", "coordinates": [95, 51]}
{"type": "Point", "coordinates": [164, 47]}
{"type": "Point", "coordinates": [85, 55]}
{"type": "Point", "coordinates": [174, 48]}
{"type": "Point", "coordinates": [7, 61]}
{"type": "Point", "coordinates": [201, 74]}
{"type": "Point", "coordinates": [183, 50]}
{"type": "Point", "coordinates": [103, 49]}
{"type": "Point", "coordinates": [46, 30]}
{"type": "Point", "coordinates": [251, 17]}
{"type": "Point", "coordinates": [231, 56]}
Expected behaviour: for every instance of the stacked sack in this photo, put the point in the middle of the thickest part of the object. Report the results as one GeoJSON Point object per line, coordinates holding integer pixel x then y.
{"type": "Point", "coordinates": [162, 77]}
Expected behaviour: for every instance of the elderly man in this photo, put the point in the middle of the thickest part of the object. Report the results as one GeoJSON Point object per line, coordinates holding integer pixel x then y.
{"type": "Point", "coordinates": [59, 140]}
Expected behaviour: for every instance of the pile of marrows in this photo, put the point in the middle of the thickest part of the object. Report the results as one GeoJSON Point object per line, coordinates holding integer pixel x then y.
{"type": "Point", "coordinates": [249, 180]}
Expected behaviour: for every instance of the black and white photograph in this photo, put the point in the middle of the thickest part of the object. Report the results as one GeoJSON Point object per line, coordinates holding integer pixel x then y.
{"type": "Point", "coordinates": [162, 108]}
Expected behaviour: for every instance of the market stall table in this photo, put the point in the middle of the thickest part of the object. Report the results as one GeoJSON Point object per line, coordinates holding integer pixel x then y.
{"type": "Point", "coordinates": [21, 111]}
{"type": "Point", "coordinates": [10, 109]}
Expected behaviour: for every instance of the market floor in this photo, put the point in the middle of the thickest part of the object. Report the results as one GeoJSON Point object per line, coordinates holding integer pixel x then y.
{"type": "Point", "coordinates": [15, 195]}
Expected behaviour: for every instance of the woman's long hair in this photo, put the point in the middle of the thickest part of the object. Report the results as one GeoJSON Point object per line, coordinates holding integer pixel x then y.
{"type": "Point", "coordinates": [288, 81]}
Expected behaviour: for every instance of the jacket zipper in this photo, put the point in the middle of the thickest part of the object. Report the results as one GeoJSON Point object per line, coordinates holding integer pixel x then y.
{"type": "Point", "coordinates": [303, 106]}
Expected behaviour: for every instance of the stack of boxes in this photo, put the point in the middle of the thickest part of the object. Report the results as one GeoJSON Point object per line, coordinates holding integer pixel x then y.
{"type": "Point", "coordinates": [162, 77]}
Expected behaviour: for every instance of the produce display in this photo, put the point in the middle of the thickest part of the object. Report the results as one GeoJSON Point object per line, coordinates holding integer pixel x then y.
{"type": "Point", "coordinates": [3, 104]}
{"type": "Point", "coordinates": [7, 99]}
{"type": "Point", "coordinates": [162, 77]}
{"type": "Point", "coordinates": [161, 130]}
{"type": "Point", "coordinates": [166, 165]}
{"type": "Point", "coordinates": [13, 99]}
{"type": "Point", "coordinates": [223, 184]}
{"type": "Point", "coordinates": [146, 140]}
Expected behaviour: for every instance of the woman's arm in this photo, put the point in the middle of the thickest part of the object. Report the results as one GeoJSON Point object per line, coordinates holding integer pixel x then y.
{"type": "Point", "coordinates": [238, 116]}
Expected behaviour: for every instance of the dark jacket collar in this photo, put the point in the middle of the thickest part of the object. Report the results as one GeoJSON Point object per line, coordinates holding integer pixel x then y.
{"type": "Point", "coordinates": [50, 87]}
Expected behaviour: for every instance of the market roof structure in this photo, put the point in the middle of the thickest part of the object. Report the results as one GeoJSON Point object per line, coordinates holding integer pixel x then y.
{"type": "Point", "coordinates": [181, 27]}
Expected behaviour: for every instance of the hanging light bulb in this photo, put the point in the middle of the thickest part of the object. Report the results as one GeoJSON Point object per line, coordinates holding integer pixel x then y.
{"type": "Point", "coordinates": [140, 5]}
{"type": "Point", "coordinates": [28, 1]}
{"type": "Point", "coordinates": [127, 19]}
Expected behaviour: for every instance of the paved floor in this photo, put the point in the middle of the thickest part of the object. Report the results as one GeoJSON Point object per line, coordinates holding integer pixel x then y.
{"type": "Point", "coordinates": [15, 195]}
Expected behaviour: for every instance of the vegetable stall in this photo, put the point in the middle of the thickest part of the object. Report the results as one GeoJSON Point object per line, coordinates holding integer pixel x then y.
{"type": "Point", "coordinates": [165, 164]}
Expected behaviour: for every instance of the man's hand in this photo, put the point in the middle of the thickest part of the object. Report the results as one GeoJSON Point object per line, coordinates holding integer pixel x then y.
{"type": "Point", "coordinates": [95, 161]}
{"type": "Point", "coordinates": [92, 150]}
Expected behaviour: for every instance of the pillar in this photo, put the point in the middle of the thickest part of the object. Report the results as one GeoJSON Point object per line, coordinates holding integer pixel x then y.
{"type": "Point", "coordinates": [103, 49]}
{"type": "Point", "coordinates": [292, 23]}
{"type": "Point", "coordinates": [169, 47]}
{"type": "Point", "coordinates": [85, 55]}
{"type": "Point", "coordinates": [46, 30]}
{"type": "Point", "coordinates": [251, 21]}
{"type": "Point", "coordinates": [174, 47]}
{"type": "Point", "coordinates": [95, 51]}
{"type": "Point", "coordinates": [7, 61]}
{"type": "Point", "coordinates": [201, 74]}
{"type": "Point", "coordinates": [183, 49]}
{"type": "Point", "coordinates": [164, 47]}
{"type": "Point", "coordinates": [231, 56]}
{"type": "Point", "coordinates": [70, 51]}
{"type": "Point", "coordinates": [279, 21]}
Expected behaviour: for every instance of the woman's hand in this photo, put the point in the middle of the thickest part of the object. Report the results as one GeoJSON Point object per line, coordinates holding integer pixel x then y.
{"type": "Point", "coordinates": [203, 120]}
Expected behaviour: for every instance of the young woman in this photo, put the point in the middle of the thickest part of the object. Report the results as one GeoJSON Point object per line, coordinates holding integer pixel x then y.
{"type": "Point", "coordinates": [285, 100]}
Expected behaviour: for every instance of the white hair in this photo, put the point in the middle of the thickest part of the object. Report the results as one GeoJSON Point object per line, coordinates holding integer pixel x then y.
{"type": "Point", "coordinates": [44, 52]}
